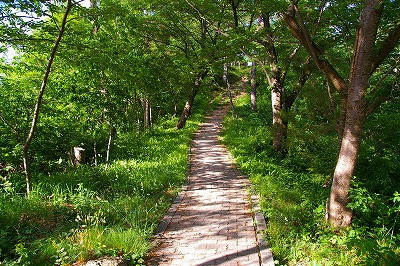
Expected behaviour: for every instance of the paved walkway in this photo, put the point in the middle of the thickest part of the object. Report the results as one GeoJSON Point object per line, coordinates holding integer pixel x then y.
{"type": "Point", "coordinates": [213, 222]}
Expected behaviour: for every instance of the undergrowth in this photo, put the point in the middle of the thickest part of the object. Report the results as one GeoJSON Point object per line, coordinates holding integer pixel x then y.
{"type": "Point", "coordinates": [293, 188]}
{"type": "Point", "coordinates": [89, 212]}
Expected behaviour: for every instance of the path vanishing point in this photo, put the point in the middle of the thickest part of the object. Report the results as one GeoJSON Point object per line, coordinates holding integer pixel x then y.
{"type": "Point", "coordinates": [212, 221]}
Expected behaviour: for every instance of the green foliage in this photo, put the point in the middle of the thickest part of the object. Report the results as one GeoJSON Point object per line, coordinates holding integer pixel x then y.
{"type": "Point", "coordinates": [89, 212]}
{"type": "Point", "coordinates": [117, 55]}
{"type": "Point", "coordinates": [293, 189]}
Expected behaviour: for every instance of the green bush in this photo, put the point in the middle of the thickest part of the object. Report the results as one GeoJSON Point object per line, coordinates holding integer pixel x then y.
{"type": "Point", "coordinates": [87, 212]}
{"type": "Point", "coordinates": [293, 189]}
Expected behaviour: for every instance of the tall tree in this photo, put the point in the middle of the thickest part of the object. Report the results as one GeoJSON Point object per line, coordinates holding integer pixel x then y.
{"type": "Point", "coordinates": [367, 56]}
{"type": "Point", "coordinates": [35, 119]}
{"type": "Point", "coordinates": [278, 61]}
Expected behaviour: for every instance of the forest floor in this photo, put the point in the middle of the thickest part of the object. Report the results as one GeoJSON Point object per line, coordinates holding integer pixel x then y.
{"type": "Point", "coordinates": [211, 223]}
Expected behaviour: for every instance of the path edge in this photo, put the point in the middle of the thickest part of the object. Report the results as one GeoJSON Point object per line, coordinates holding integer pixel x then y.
{"type": "Point", "coordinates": [260, 226]}
{"type": "Point", "coordinates": [164, 223]}
{"type": "Point", "coordinates": [266, 257]}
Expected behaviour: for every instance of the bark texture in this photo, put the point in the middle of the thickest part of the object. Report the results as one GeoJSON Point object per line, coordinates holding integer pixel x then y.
{"type": "Point", "coordinates": [189, 103]}
{"type": "Point", "coordinates": [352, 94]}
{"type": "Point", "coordinates": [187, 109]}
{"type": "Point", "coordinates": [279, 128]}
{"type": "Point", "coordinates": [338, 213]}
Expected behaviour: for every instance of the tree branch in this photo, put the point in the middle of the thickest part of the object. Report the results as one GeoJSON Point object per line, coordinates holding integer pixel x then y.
{"type": "Point", "coordinates": [10, 126]}
{"type": "Point", "coordinates": [387, 46]}
{"type": "Point", "coordinates": [208, 21]}
{"type": "Point", "coordinates": [381, 99]}
{"type": "Point", "coordinates": [300, 32]}
{"type": "Point", "coordinates": [321, 11]}
{"type": "Point", "coordinates": [46, 77]}
{"type": "Point", "coordinates": [386, 74]}
{"type": "Point", "coordinates": [305, 74]}
{"type": "Point", "coordinates": [234, 11]}
{"type": "Point", "coordinates": [292, 55]}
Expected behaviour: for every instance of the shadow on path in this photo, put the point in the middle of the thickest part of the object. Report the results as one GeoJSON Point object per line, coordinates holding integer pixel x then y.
{"type": "Point", "coordinates": [213, 222]}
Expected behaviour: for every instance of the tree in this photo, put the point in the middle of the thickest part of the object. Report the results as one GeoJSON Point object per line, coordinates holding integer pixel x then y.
{"type": "Point", "coordinates": [189, 39]}
{"type": "Point", "coordinates": [279, 58]}
{"type": "Point", "coordinates": [366, 59]}
{"type": "Point", "coordinates": [238, 34]}
{"type": "Point", "coordinates": [36, 112]}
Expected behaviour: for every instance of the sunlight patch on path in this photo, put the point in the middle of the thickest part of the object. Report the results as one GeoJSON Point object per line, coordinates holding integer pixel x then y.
{"type": "Point", "coordinates": [213, 222]}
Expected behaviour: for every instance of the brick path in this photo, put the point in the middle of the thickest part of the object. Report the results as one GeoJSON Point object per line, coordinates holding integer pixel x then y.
{"type": "Point", "coordinates": [213, 224]}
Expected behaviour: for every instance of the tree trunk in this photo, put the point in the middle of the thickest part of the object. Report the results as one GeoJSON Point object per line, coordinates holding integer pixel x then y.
{"type": "Point", "coordinates": [175, 109]}
{"type": "Point", "coordinates": [279, 128]}
{"type": "Point", "coordinates": [337, 211]}
{"type": "Point", "coordinates": [225, 73]}
{"type": "Point", "coordinates": [27, 168]}
{"type": "Point", "coordinates": [138, 121]}
{"type": "Point", "coordinates": [137, 107]}
{"type": "Point", "coordinates": [253, 83]}
{"type": "Point", "coordinates": [230, 94]}
{"type": "Point", "coordinates": [342, 119]}
{"type": "Point", "coordinates": [352, 95]}
{"type": "Point", "coordinates": [146, 112]}
{"type": "Point", "coordinates": [332, 103]}
{"type": "Point", "coordinates": [147, 115]}
{"type": "Point", "coordinates": [235, 14]}
{"type": "Point", "coordinates": [225, 78]}
{"type": "Point", "coordinates": [187, 109]}
{"type": "Point", "coordinates": [110, 137]}
{"type": "Point", "coordinates": [189, 103]}
{"type": "Point", "coordinates": [150, 116]}
{"type": "Point", "coordinates": [95, 152]}
{"type": "Point", "coordinates": [25, 148]}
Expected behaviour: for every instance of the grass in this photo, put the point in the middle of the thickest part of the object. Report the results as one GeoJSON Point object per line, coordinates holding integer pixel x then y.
{"type": "Point", "coordinates": [88, 212]}
{"type": "Point", "coordinates": [293, 189]}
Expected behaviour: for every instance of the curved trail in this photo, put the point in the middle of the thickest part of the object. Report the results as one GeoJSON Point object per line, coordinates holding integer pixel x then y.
{"type": "Point", "coordinates": [213, 222]}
